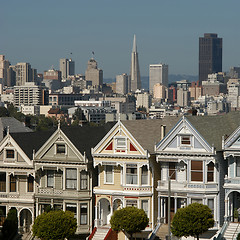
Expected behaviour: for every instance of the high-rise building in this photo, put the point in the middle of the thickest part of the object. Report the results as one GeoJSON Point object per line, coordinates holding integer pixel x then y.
{"type": "Point", "coordinates": [94, 74]}
{"type": "Point", "coordinates": [4, 65]}
{"type": "Point", "coordinates": [135, 71]}
{"type": "Point", "coordinates": [122, 84]}
{"type": "Point", "coordinates": [30, 94]}
{"type": "Point", "coordinates": [67, 67]}
{"type": "Point", "coordinates": [158, 73]}
{"type": "Point", "coordinates": [210, 55]}
{"type": "Point", "coordinates": [24, 73]}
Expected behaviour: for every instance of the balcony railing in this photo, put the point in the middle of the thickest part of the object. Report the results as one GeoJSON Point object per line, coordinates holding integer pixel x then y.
{"type": "Point", "coordinates": [232, 181]}
{"type": "Point", "coordinates": [60, 192]}
{"type": "Point", "coordinates": [163, 185]}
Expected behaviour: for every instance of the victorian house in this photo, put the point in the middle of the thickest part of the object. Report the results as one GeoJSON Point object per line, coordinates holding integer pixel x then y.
{"type": "Point", "coordinates": [49, 170]}
{"type": "Point", "coordinates": [191, 159]}
{"type": "Point", "coordinates": [127, 169]}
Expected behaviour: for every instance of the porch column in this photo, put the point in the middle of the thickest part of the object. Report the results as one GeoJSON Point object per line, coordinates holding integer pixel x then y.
{"type": "Point", "coordinates": [37, 208]}
{"type": "Point", "coordinates": [175, 204]}
{"type": "Point", "coordinates": [159, 209]}
{"type": "Point", "coordinates": [7, 182]}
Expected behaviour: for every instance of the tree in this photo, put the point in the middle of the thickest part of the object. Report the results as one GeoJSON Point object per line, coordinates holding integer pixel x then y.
{"type": "Point", "coordinates": [55, 225]}
{"type": "Point", "coordinates": [130, 220]}
{"type": "Point", "coordinates": [192, 220]}
{"type": "Point", "coordinates": [10, 225]}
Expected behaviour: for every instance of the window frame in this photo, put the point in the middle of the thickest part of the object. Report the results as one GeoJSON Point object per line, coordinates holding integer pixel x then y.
{"type": "Point", "coordinates": [71, 179]}
{"type": "Point", "coordinates": [147, 175]}
{"type": "Point", "coordinates": [3, 187]}
{"type": "Point", "coordinates": [185, 142]}
{"type": "Point", "coordinates": [105, 174]}
{"type": "Point", "coordinates": [131, 166]}
{"type": "Point", "coordinates": [85, 214]}
{"type": "Point", "coordinates": [57, 145]}
{"type": "Point", "coordinates": [237, 166]}
{"type": "Point", "coordinates": [118, 148]}
{"type": "Point", "coordinates": [83, 179]}
{"type": "Point", "coordinates": [172, 170]}
{"type": "Point", "coordinates": [30, 185]}
{"type": "Point", "coordinates": [145, 201]}
{"type": "Point", "coordinates": [210, 172]}
{"type": "Point", "coordinates": [12, 183]}
{"type": "Point", "coordinates": [196, 171]}
{"type": "Point", "coordinates": [50, 176]}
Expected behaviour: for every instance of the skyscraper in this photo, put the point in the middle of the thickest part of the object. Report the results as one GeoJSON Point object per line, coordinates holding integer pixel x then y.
{"type": "Point", "coordinates": [210, 55]}
{"type": "Point", "coordinates": [94, 74]}
{"type": "Point", "coordinates": [122, 84]}
{"type": "Point", "coordinates": [67, 67]}
{"type": "Point", "coordinates": [24, 73]}
{"type": "Point", "coordinates": [158, 73]}
{"type": "Point", "coordinates": [135, 71]}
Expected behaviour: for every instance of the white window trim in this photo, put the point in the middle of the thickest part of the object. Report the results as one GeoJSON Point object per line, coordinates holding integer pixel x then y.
{"type": "Point", "coordinates": [137, 184]}
{"type": "Point", "coordinates": [46, 181]}
{"type": "Point", "coordinates": [147, 184]}
{"type": "Point", "coordinates": [9, 159]}
{"type": "Point", "coordinates": [105, 177]}
{"type": "Point", "coordinates": [120, 148]}
{"type": "Point", "coordinates": [60, 143]}
{"type": "Point", "coordinates": [185, 145]}
{"type": "Point", "coordinates": [147, 200]}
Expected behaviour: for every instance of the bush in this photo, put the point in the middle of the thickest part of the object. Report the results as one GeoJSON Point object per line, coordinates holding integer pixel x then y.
{"type": "Point", "coordinates": [10, 225]}
{"type": "Point", "coordinates": [55, 225]}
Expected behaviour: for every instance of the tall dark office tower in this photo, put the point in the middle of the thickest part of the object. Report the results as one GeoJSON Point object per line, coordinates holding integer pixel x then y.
{"type": "Point", "coordinates": [210, 55]}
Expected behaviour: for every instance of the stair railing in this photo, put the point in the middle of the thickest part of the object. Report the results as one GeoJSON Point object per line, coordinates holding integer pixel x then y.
{"type": "Point", "coordinates": [153, 233]}
{"type": "Point", "coordinates": [223, 229]}
{"type": "Point", "coordinates": [235, 232]}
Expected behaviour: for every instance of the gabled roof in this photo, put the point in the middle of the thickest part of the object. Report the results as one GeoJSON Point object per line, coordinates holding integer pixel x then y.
{"type": "Point", "coordinates": [212, 128]}
{"type": "Point", "coordinates": [13, 124]}
{"type": "Point", "coordinates": [84, 138]}
{"type": "Point", "coordinates": [148, 131]}
{"type": "Point", "coordinates": [31, 141]}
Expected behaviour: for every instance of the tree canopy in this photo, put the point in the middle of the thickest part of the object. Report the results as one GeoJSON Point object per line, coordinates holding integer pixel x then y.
{"type": "Point", "coordinates": [130, 220]}
{"type": "Point", "coordinates": [55, 225]}
{"type": "Point", "coordinates": [192, 220]}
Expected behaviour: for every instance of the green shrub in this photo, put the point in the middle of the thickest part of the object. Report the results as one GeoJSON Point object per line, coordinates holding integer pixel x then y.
{"type": "Point", "coordinates": [10, 225]}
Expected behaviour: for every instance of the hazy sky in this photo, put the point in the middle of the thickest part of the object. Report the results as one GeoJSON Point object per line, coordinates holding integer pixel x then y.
{"type": "Point", "coordinates": [41, 32]}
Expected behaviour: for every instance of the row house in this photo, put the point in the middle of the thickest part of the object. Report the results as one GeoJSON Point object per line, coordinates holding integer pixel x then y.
{"type": "Point", "coordinates": [128, 171]}
{"type": "Point", "coordinates": [191, 157]}
{"type": "Point", "coordinates": [49, 170]}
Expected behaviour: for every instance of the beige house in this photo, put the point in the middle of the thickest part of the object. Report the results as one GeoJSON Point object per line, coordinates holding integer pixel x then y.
{"type": "Point", "coordinates": [127, 170]}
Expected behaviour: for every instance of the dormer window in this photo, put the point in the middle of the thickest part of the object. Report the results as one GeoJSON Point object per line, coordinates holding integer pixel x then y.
{"type": "Point", "coordinates": [61, 148]}
{"type": "Point", "coordinates": [185, 140]}
{"type": "Point", "coordinates": [10, 154]}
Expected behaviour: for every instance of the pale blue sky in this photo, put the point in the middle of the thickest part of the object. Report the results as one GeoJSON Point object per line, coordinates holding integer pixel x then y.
{"type": "Point", "coordinates": [41, 32]}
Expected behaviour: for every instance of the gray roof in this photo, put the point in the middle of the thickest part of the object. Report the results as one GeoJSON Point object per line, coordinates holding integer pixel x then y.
{"type": "Point", "coordinates": [148, 131]}
{"type": "Point", "coordinates": [14, 125]}
{"type": "Point", "coordinates": [212, 128]}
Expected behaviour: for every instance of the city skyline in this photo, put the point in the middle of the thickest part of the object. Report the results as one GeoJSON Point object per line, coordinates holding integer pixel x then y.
{"type": "Point", "coordinates": [43, 32]}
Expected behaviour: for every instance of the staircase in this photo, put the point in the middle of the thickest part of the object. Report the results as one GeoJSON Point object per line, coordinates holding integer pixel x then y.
{"type": "Point", "coordinates": [162, 232]}
{"type": "Point", "coordinates": [232, 231]}
{"type": "Point", "coordinates": [101, 233]}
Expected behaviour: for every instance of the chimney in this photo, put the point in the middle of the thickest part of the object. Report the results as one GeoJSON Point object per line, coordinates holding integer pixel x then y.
{"type": "Point", "coordinates": [163, 131]}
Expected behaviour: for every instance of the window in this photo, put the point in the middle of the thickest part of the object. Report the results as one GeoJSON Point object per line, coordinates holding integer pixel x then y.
{"type": "Point", "coordinates": [197, 171]}
{"type": "Point", "coordinates": [71, 178]}
{"type": "Point", "coordinates": [211, 205]}
{"type": "Point", "coordinates": [145, 206]}
{"type": "Point", "coordinates": [83, 180]}
{"type": "Point", "coordinates": [10, 153]}
{"type": "Point", "coordinates": [30, 183]}
{"type": "Point", "coordinates": [237, 167]}
{"type": "Point", "coordinates": [83, 214]}
{"type": "Point", "coordinates": [172, 170]}
{"type": "Point", "coordinates": [13, 183]}
{"type": "Point", "coordinates": [144, 175]}
{"type": "Point", "coordinates": [72, 208]}
{"type": "Point", "coordinates": [185, 140]}
{"type": "Point", "coordinates": [2, 182]}
{"type": "Point", "coordinates": [121, 142]}
{"type": "Point", "coordinates": [108, 174]}
{"type": "Point", "coordinates": [50, 178]}
{"type": "Point", "coordinates": [61, 149]}
{"type": "Point", "coordinates": [131, 203]}
{"type": "Point", "coordinates": [210, 172]}
{"type": "Point", "coordinates": [131, 174]}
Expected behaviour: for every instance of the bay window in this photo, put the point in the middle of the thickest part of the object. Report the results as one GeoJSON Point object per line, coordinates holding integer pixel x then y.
{"type": "Point", "coordinates": [144, 175]}
{"type": "Point", "coordinates": [108, 174]}
{"type": "Point", "coordinates": [197, 171]}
